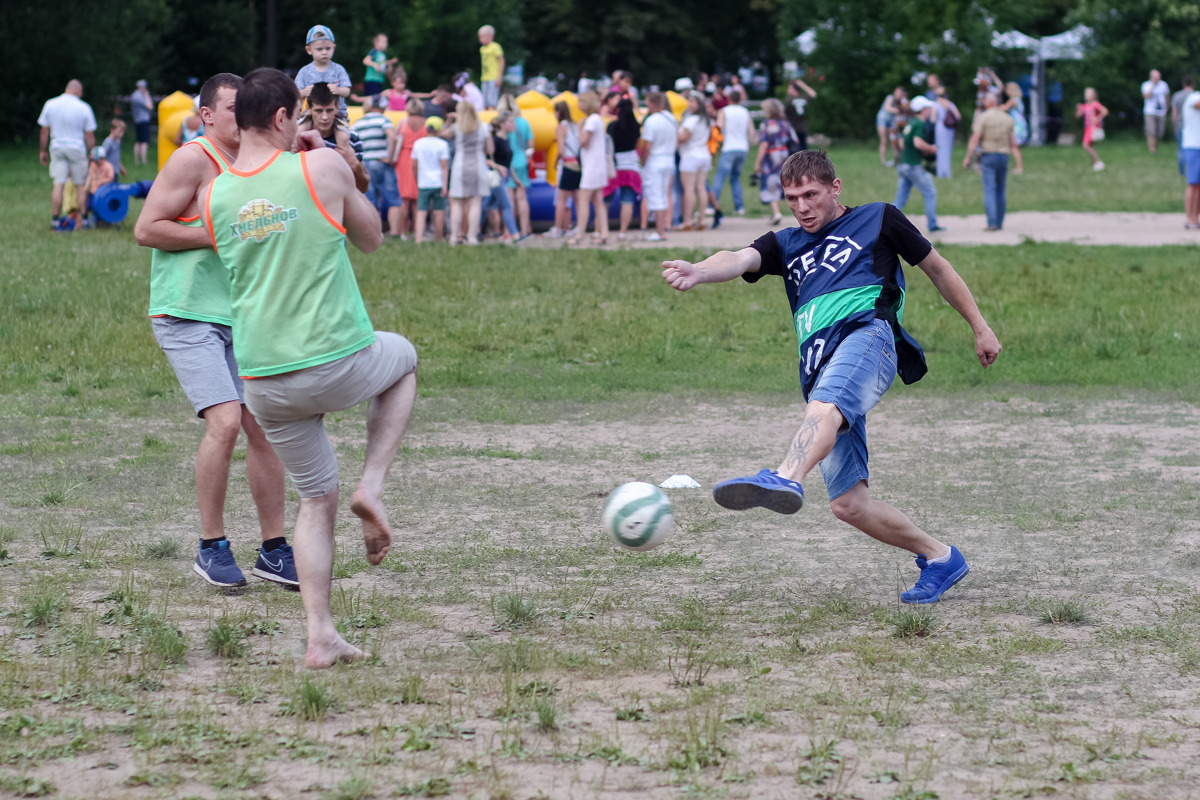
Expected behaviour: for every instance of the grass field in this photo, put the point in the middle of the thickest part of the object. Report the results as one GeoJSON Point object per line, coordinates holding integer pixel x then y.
{"type": "Point", "coordinates": [515, 653]}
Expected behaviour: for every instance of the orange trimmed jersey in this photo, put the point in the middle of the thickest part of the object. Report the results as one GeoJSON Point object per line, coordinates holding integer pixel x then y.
{"type": "Point", "coordinates": [294, 297]}
{"type": "Point", "coordinates": [191, 284]}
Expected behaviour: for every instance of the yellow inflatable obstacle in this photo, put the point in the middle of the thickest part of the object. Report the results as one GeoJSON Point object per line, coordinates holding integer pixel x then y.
{"type": "Point", "coordinates": [172, 111]}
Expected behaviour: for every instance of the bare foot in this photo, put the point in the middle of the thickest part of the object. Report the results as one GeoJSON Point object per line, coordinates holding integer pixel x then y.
{"type": "Point", "coordinates": [377, 535]}
{"type": "Point", "coordinates": [325, 655]}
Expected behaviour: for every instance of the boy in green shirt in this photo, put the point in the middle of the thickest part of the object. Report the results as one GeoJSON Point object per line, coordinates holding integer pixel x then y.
{"type": "Point", "coordinates": [917, 140]}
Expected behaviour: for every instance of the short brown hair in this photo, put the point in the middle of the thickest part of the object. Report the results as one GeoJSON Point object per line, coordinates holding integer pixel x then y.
{"type": "Point", "coordinates": [264, 91]}
{"type": "Point", "coordinates": [656, 99]}
{"type": "Point", "coordinates": [807, 164]}
{"type": "Point", "coordinates": [222, 80]}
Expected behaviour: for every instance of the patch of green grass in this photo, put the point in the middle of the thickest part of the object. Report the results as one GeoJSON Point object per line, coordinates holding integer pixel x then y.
{"type": "Point", "coordinates": [43, 604]}
{"type": "Point", "coordinates": [431, 787]}
{"type": "Point", "coordinates": [226, 639]}
{"type": "Point", "coordinates": [356, 787]}
{"type": "Point", "coordinates": [25, 786]}
{"type": "Point", "coordinates": [310, 701]}
{"type": "Point", "coordinates": [162, 549]}
{"type": "Point", "coordinates": [912, 622]}
{"type": "Point", "coordinates": [1072, 611]}
{"type": "Point", "coordinates": [514, 611]}
{"type": "Point", "coordinates": [60, 538]}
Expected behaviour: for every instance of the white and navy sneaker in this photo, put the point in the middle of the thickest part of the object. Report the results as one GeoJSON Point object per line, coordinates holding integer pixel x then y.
{"type": "Point", "coordinates": [277, 566]}
{"type": "Point", "coordinates": [216, 565]}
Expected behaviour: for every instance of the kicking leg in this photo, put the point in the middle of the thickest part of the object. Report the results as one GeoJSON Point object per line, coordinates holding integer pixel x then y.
{"type": "Point", "coordinates": [386, 421]}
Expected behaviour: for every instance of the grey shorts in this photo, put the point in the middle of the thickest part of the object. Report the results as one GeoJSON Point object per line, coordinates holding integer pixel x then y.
{"type": "Point", "coordinates": [291, 407]}
{"type": "Point", "coordinates": [68, 165]}
{"type": "Point", "coordinates": [201, 353]}
{"type": "Point", "coordinates": [1156, 125]}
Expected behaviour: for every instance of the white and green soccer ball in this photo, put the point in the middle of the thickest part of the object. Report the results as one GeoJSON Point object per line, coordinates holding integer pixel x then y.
{"type": "Point", "coordinates": [638, 516]}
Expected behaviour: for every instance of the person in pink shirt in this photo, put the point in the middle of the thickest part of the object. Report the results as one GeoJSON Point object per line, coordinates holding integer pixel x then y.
{"type": "Point", "coordinates": [1093, 114]}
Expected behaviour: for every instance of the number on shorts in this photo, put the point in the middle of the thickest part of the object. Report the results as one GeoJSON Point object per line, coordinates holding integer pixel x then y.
{"type": "Point", "coordinates": [812, 359]}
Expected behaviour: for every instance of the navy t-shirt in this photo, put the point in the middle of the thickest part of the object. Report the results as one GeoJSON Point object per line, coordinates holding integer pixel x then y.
{"type": "Point", "coordinates": [843, 277]}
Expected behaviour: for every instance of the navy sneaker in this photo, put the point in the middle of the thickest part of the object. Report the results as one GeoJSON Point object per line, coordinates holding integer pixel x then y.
{"type": "Point", "coordinates": [216, 565]}
{"type": "Point", "coordinates": [936, 578]}
{"type": "Point", "coordinates": [764, 490]}
{"type": "Point", "coordinates": [277, 566]}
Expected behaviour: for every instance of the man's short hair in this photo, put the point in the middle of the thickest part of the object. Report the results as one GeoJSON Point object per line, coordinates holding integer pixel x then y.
{"type": "Point", "coordinates": [444, 87]}
{"type": "Point", "coordinates": [735, 95]}
{"type": "Point", "coordinates": [1189, 80]}
{"type": "Point", "coordinates": [222, 80]}
{"type": "Point", "coordinates": [320, 95]}
{"type": "Point", "coordinates": [656, 99]}
{"type": "Point", "coordinates": [807, 164]}
{"type": "Point", "coordinates": [264, 91]}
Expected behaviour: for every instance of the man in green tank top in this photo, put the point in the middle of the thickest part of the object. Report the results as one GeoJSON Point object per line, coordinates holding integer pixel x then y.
{"type": "Point", "coordinates": [279, 222]}
{"type": "Point", "coordinates": [191, 318]}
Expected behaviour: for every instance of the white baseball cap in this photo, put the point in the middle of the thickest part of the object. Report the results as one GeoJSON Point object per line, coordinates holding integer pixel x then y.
{"type": "Point", "coordinates": [684, 85]}
{"type": "Point", "coordinates": [920, 103]}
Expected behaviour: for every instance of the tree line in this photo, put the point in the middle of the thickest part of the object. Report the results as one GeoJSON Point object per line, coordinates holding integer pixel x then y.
{"type": "Point", "coordinates": [864, 47]}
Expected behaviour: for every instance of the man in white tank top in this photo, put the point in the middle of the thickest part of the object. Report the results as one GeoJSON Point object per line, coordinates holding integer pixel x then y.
{"type": "Point", "coordinates": [738, 133]}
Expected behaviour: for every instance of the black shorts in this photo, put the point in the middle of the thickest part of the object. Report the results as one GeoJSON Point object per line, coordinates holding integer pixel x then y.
{"type": "Point", "coordinates": [569, 181]}
{"type": "Point", "coordinates": [142, 131]}
{"type": "Point", "coordinates": [372, 88]}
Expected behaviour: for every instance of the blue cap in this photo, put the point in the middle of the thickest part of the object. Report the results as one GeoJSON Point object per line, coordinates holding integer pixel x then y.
{"type": "Point", "coordinates": [318, 32]}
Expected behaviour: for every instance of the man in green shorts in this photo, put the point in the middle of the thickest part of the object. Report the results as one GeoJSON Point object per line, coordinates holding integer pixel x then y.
{"type": "Point", "coordinates": [279, 222]}
{"type": "Point", "coordinates": [189, 307]}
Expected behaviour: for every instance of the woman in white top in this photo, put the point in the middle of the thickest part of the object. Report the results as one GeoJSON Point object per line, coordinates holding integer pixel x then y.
{"type": "Point", "coordinates": [694, 161]}
{"type": "Point", "coordinates": [593, 162]}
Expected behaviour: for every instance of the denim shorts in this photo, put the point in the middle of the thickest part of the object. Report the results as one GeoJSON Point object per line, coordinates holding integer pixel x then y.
{"type": "Point", "coordinates": [854, 379]}
{"type": "Point", "coordinates": [201, 353]}
{"type": "Point", "coordinates": [1191, 165]}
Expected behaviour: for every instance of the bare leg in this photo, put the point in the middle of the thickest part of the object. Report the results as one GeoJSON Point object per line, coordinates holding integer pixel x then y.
{"type": "Point", "coordinates": [402, 224]}
{"type": "Point", "coordinates": [474, 209]}
{"type": "Point", "coordinates": [883, 144]}
{"type": "Point", "coordinates": [314, 567]}
{"type": "Point", "coordinates": [813, 441]}
{"type": "Point", "coordinates": [222, 423]}
{"type": "Point", "coordinates": [56, 198]}
{"type": "Point", "coordinates": [456, 210]}
{"type": "Point", "coordinates": [645, 216]}
{"type": "Point", "coordinates": [601, 212]}
{"type": "Point", "coordinates": [439, 225]}
{"type": "Point", "coordinates": [266, 477]}
{"type": "Point", "coordinates": [419, 230]}
{"type": "Point", "coordinates": [689, 200]}
{"type": "Point", "coordinates": [386, 421]}
{"type": "Point", "coordinates": [884, 523]}
{"type": "Point", "coordinates": [394, 217]}
{"type": "Point", "coordinates": [81, 195]}
{"type": "Point", "coordinates": [522, 206]}
{"type": "Point", "coordinates": [626, 217]}
{"type": "Point", "coordinates": [1091, 151]}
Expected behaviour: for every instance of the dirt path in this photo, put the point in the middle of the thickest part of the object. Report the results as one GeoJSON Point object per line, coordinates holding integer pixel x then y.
{"type": "Point", "coordinates": [1133, 229]}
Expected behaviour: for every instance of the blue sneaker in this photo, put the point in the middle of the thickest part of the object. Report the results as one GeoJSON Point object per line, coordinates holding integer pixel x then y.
{"type": "Point", "coordinates": [764, 490]}
{"type": "Point", "coordinates": [216, 565]}
{"type": "Point", "coordinates": [277, 566]}
{"type": "Point", "coordinates": [936, 578]}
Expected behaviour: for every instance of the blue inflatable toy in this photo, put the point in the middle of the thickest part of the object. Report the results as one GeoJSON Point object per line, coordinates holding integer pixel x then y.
{"type": "Point", "coordinates": [541, 206]}
{"type": "Point", "coordinates": [111, 202]}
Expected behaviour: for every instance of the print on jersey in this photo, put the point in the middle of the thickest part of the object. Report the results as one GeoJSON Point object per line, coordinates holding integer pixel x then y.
{"type": "Point", "coordinates": [260, 218]}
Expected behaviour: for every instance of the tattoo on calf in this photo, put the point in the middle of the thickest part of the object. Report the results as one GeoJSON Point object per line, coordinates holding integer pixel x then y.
{"type": "Point", "coordinates": [801, 444]}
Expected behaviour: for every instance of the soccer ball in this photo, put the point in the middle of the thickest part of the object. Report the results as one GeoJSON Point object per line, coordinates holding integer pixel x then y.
{"type": "Point", "coordinates": [638, 516]}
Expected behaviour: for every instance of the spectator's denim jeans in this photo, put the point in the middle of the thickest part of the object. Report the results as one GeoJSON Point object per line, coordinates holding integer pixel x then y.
{"type": "Point", "coordinates": [730, 166]}
{"type": "Point", "coordinates": [910, 175]}
{"type": "Point", "coordinates": [995, 176]}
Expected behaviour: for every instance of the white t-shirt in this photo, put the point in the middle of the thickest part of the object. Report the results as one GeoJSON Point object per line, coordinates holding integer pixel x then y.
{"type": "Point", "coordinates": [473, 95]}
{"type": "Point", "coordinates": [737, 128]}
{"type": "Point", "coordinates": [1191, 122]}
{"type": "Point", "coordinates": [429, 152]}
{"type": "Point", "coordinates": [1156, 103]}
{"type": "Point", "coordinates": [659, 130]}
{"type": "Point", "coordinates": [593, 159]}
{"type": "Point", "coordinates": [68, 118]}
{"type": "Point", "coordinates": [697, 144]}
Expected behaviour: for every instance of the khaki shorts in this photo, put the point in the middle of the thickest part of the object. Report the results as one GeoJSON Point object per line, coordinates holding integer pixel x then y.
{"type": "Point", "coordinates": [1156, 125]}
{"type": "Point", "coordinates": [291, 407]}
{"type": "Point", "coordinates": [68, 165]}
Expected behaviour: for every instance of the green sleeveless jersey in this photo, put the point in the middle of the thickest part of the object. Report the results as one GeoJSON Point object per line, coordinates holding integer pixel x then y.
{"type": "Point", "coordinates": [191, 284]}
{"type": "Point", "coordinates": [294, 296]}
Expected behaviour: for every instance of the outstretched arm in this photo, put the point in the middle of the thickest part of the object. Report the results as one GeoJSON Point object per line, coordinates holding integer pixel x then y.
{"type": "Point", "coordinates": [717, 268]}
{"type": "Point", "coordinates": [951, 286]}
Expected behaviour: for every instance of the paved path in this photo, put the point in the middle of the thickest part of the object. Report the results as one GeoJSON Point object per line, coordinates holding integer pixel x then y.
{"type": "Point", "coordinates": [1134, 229]}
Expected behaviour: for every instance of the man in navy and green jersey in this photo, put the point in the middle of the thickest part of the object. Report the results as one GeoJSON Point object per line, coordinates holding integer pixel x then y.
{"type": "Point", "coordinates": [191, 317]}
{"type": "Point", "coordinates": [841, 269]}
{"type": "Point", "coordinates": [279, 222]}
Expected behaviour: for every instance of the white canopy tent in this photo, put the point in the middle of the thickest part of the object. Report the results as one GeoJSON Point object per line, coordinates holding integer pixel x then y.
{"type": "Point", "coordinates": [1066, 46]}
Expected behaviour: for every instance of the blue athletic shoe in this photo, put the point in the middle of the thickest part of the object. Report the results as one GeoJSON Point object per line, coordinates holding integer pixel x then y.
{"type": "Point", "coordinates": [277, 566]}
{"type": "Point", "coordinates": [764, 490]}
{"type": "Point", "coordinates": [936, 578]}
{"type": "Point", "coordinates": [216, 565]}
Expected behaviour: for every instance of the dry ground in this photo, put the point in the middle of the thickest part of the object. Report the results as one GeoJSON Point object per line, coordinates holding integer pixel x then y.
{"type": "Point", "coordinates": [517, 654]}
